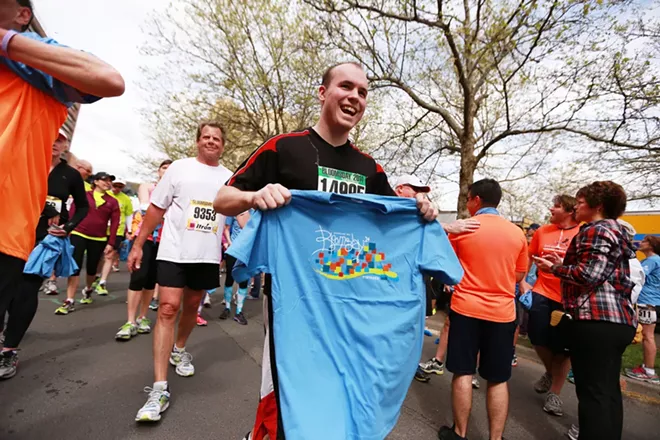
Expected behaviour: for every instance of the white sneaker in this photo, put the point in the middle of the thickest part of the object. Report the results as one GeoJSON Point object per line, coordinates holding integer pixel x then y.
{"type": "Point", "coordinates": [475, 382]}
{"type": "Point", "coordinates": [127, 331]}
{"type": "Point", "coordinates": [207, 300]}
{"type": "Point", "coordinates": [157, 403]}
{"type": "Point", "coordinates": [183, 363]}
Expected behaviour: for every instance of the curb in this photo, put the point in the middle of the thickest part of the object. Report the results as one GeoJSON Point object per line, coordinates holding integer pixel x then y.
{"type": "Point", "coordinates": [643, 391]}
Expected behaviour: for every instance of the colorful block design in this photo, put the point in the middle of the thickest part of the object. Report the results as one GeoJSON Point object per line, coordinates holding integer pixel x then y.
{"type": "Point", "coordinates": [339, 265]}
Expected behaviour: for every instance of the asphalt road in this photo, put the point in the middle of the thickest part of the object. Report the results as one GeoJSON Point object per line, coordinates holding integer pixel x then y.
{"type": "Point", "coordinates": [76, 382]}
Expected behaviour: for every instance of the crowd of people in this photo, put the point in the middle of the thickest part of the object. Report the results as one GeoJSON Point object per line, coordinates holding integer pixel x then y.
{"type": "Point", "coordinates": [567, 283]}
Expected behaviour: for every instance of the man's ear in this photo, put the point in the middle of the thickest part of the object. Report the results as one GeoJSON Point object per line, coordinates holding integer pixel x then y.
{"type": "Point", "coordinates": [23, 17]}
{"type": "Point", "coordinates": [322, 90]}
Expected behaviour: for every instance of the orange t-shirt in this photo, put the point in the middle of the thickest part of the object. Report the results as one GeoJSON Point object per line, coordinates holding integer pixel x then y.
{"type": "Point", "coordinates": [549, 239]}
{"type": "Point", "coordinates": [490, 257]}
{"type": "Point", "coordinates": [29, 121]}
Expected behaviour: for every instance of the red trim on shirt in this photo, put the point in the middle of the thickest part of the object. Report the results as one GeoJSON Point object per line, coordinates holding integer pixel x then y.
{"type": "Point", "coordinates": [379, 169]}
{"type": "Point", "coordinates": [270, 145]}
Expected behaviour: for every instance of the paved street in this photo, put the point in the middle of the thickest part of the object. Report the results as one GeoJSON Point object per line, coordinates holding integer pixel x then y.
{"type": "Point", "coordinates": [76, 382]}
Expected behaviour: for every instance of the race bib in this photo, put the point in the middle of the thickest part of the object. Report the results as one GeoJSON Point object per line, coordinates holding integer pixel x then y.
{"type": "Point", "coordinates": [54, 202]}
{"type": "Point", "coordinates": [341, 182]}
{"type": "Point", "coordinates": [202, 217]}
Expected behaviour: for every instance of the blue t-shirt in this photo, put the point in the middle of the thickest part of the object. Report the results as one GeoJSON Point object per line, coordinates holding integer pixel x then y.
{"type": "Point", "coordinates": [650, 294]}
{"type": "Point", "coordinates": [348, 305]}
{"type": "Point", "coordinates": [234, 228]}
{"type": "Point", "coordinates": [62, 92]}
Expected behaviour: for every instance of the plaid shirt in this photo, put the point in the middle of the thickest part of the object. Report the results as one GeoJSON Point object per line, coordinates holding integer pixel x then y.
{"type": "Point", "coordinates": [595, 274]}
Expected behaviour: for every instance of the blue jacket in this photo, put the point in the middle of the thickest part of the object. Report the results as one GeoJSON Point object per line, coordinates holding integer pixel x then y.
{"type": "Point", "coordinates": [53, 253]}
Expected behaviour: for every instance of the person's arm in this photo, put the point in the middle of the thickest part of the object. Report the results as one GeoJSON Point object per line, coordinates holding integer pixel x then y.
{"type": "Point", "coordinates": [522, 263]}
{"type": "Point", "coordinates": [143, 196]}
{"type": "Point", "coordinates": [150, 221]}
{"type": "Point", "coordinates": [79, 201]}
{"type": "Point", "coordinates": [461, 226]}
{"type": "Point", "coordinates": [227, 235]}
{"type": "Point", "coordinates": [594, 262]}
{"type": "Point", "coordinates": [82, 71]}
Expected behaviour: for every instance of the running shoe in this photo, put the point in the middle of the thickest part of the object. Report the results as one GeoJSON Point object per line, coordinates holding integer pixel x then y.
{"type": "Point", "coordinates": [570, 376]}
{"type": "Point", "coordinates": [101, 289]}
{"type": "Point", "coordinates": [573, 433]}
{"type": "Point", "coordinates": [183, 362]}
{"type": "Point", "coordinates": [250, 297]}
{"type": "Point", "coordinates": [201, 321]}
{"type": "Point", "coordinates": [226, 313]}
{"type": "Point", "coordinates": [153, 305]}
{"type": "Point", "coordinates": [157, 403]}
{"type": "Point", "coordinates": [475, 383]}
{"type": "Point", "coordinates": [87, 296]}
{"type": "Point", "coordinates": [127, 331]}
{"type": "Point", "coordinates": [639, 373]}
{"type": "Point", "coordinates": [248, 436]}
{"type": "Point", "coordinates": [514, 361]}
{"type": "Point", "coordinates": [447, 433]}
{"type": "Point", "coordinates": [144, 325]}
{"type": "Point", "coordinates": [421, 376]}
{"type": "Point", "coordinates": [240, 318]}
{"type": "Point", "coordinates": [96, 282]}
{"type": "Point", "coordinates": [49, 287]}
{"type": "Point", "coordinates": [8, 364]}
{"type": "Point", "coordinates": [553, 405]}
{"type": "Point", "coordinates": [433, 366]}
{"type": "Point", "coordinates": [543, 385]}
{"type": "Point", "coordinates": [65, 308]}
{"type": "Point", "coordinates": [115, 268]}
{"type": "Point", "coordinates": [207, 301]}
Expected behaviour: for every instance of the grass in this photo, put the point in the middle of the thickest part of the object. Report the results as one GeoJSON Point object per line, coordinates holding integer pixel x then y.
{"type": "Point", "coordinates": [632, 357]}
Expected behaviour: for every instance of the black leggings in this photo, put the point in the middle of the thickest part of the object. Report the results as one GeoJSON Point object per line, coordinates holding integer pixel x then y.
{"type": "Point", "coordinates": [229, 279]}
{"type": "Point", "coordinates": [22, 309]}
{"type": "Point", "coordinates": [596, 348]}
{"type": "Point", "coordinates": [94, 253]}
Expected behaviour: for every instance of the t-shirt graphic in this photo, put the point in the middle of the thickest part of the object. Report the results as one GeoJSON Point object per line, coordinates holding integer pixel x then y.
{"type": "Point", "coordinates": [347, 292]}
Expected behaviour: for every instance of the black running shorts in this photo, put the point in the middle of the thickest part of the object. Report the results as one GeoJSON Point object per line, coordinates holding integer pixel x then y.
{"type": "Point", "coordinates": [492, 341]}
{"type": "Point", "coordinates": [145, 276]}
{"type": "Point", "coordinates": [94, 251]}
{"type": "Point", "coordinates": [195, 276]}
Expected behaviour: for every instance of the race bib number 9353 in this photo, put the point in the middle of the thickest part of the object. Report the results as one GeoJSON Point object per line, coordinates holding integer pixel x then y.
{"type": "Point", "coordinates": [202, 217]}
{"type": "Point", "coordinates": [341, 182]}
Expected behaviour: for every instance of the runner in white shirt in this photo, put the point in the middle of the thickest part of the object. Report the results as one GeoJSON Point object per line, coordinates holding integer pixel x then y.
{"type": "Point", "coordinates": [188, 255]}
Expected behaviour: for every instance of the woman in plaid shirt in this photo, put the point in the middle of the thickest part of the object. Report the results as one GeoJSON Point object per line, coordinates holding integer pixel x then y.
{"type": "Point", "coordinates": [596, 288]}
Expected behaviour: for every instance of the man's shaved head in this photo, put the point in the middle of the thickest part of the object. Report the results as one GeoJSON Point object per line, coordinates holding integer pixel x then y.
{"type": "Point", "coordinates": [327, 75]}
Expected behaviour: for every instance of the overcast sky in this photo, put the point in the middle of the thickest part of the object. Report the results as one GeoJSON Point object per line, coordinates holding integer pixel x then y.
{"type": "Point", "coordinates": [112, 31]}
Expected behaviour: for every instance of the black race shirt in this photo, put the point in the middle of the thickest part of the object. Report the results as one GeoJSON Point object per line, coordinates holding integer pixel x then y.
{"type": "Point", "coordinates": [64, 181]}
{"type": "Point", "coordinates": [303, 160]}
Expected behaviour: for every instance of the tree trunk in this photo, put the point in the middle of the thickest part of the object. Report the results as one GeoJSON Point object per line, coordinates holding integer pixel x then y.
{"type": "Point", "coordinates": [466, 176]}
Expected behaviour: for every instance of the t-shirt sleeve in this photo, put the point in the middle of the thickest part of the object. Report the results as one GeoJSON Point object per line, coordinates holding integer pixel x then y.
{"type": "Point", "coordinates": [258, 170]}
{"type": "Point", "coordinates": [378, 184]}
{"type": "Point", "coordinates": [533, 248]}
{"type": "Point", "coordinates": [523, 257]}
{"type": "Point", "coordinates": [164, 192]}
{"type": "Point", "coordinates": [229, 220]}
{"type": "Point", "coordinates": [251, 249]}
{"type": "Point", "coordinates": [437, 257]}
{"type": "Point", "coordinates": [64, 93]}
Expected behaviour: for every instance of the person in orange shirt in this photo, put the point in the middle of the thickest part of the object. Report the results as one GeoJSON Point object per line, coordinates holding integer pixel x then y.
{"type": "Point", "coordinates": [553, 238]}
{"type": "Point", "coordinates": [483, 310]}
{"type": "Point", "coordinates": [39, 80]}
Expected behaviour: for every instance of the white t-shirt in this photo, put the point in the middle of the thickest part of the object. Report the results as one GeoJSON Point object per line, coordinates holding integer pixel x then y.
{"type": "Point", "coordinates": [192, 232]}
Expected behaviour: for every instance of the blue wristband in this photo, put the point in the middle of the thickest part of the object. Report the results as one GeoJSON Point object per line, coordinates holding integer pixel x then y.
{"type": "Point", "coordinates": [5, 42]}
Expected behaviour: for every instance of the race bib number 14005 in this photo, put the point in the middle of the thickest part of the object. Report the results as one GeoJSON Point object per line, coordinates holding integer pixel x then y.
{"type": "Point", "coordinates": [202, 217]}
{"type": "Point", "coordinates": [341, 182]}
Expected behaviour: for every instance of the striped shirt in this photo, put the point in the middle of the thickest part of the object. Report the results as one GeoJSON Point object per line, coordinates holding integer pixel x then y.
{"type": "Point", "coordinates": [595, 274]}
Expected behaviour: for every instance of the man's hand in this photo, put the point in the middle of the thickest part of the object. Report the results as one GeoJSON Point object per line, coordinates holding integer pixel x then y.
{"type": "Point", "coordinates": [56, 231]}
{"type": "Point", "coordinates": [54, 221]}
{"type": "Point", "coordinates": [134, 258]}
{"type": "Point", "coordinates": [546, 263]}
{"type": "Point", "coordinates": [428, 211]}
{"type": "Point", "coordinates": [462, 226]}
{"type": "Point", "coordinates": [524, 286]}
{"type": "Point", "coordinates": [271, 196]}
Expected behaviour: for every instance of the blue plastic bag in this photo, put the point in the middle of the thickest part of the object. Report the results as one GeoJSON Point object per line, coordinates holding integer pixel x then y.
{"type": "Point", "coordinates": [125, 249]}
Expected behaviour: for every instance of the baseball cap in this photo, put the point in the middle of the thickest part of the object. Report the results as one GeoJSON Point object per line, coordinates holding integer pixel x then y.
{"type": "Point", "coordinates": [120, 180]}
{"type": "Point", "coordinates": [62, 134]}
{"type": "Point", "coordinates": [533, 226]}
{"type": "Point", "coordinates": [409, 179]}
{"type": "Point", "coordinates": [103, 176]}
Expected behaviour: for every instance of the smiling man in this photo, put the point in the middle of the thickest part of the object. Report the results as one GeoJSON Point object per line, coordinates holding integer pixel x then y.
{"type": "Point", "coordinates": [188, 257]}
{"type": "Point", "coordinates": [319, 158]}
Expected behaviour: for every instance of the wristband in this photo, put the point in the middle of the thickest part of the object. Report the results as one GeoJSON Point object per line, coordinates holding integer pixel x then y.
{"type": "Point", "coordinates": [5, 42]}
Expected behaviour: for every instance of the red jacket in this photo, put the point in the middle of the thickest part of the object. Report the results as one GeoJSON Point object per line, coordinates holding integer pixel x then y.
{"type": "Point", "coordinates": [96, 223]}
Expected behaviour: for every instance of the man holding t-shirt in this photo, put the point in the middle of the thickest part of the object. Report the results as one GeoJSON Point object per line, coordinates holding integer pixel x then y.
{"type": "Point", "coordinates": [319, 158]}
